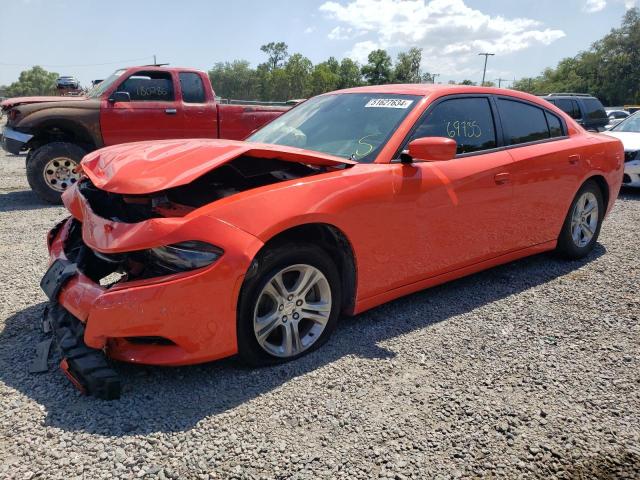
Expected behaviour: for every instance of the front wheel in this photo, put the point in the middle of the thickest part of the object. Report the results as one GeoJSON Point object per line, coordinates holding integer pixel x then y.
{"type": "Point", "coordinates": [290, 306]}
{"type": "Point", "coordinates": [52, 168]}
{"type": "Point", "coordinates": [581, 227]}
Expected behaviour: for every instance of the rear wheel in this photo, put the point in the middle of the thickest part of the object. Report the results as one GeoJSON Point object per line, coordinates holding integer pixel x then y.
{"type": "Point", "coordinates": [52, 168]}
{"type": "Point", "coordinates": [582, 226]}
{"type": "Point", "coordinates": [289, 307]}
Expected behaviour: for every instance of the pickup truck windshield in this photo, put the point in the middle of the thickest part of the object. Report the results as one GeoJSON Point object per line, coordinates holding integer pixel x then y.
{"type": "Point", "coordinates": [349, 125]}
{"type": "Point", "coordinates": [100, 88]}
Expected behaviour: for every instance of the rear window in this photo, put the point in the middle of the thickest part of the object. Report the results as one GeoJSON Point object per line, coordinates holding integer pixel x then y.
{"type": "Point", "coordinates": [524, 123]}
{"type": "Point", "coordinates": [555, 125]}
{"type": "Point", "coordinates": [192, 87]}
{"type": "Point", "coordinates": [594, 109]}
{"type": "Point", "coordinates": [570, 107]}
{"type": "Point", "coordinates": [149, 86]}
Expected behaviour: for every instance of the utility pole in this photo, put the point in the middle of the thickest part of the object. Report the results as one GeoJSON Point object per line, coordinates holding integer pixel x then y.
{"type": "Point", "coordinates": [484, 72]}
{"type": "Point", "coordinates": [154, 59]}
{"type": "Point", "coordinates": [433, 77]}
{"type": "Point", "coordinates": [500, 80]}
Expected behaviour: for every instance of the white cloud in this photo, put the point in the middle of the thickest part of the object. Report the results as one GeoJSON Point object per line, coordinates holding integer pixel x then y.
{"type": "Point", "coordinates": [449, 32]}
{"type": "Point", "coordinates": [310, 30]}
{"type": "Point", "coordinates": [593, 6]}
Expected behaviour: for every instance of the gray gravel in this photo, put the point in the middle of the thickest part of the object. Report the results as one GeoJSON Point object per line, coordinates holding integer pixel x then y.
{"type": "Point", "coordinates": [530, 370]}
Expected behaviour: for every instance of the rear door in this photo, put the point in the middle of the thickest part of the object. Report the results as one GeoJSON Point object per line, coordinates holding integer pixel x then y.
{"type": "Point", "coordinates": [199, 111]}
{"type": "Point", "coordinates": [152, 114]}
{"type": "Point", "coordinates": [545, 169]}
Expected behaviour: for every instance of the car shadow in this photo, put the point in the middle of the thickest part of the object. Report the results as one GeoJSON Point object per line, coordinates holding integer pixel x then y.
{"type": "Point", "coordinates": [175, 399]}
{"type": "Point", "coordinates": [629, 193]}
{"type": "Point", "coordinates": [20, 200]}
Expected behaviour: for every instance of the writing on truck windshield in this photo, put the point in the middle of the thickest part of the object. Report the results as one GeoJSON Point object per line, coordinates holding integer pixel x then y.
{"type": "Point", "coordinates": [347, 125]}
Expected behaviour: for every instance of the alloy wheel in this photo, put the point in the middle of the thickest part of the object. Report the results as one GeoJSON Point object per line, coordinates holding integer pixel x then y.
{"type": "Point", "coordinates": [292, 310]}
{"type": "Point", "coordinates": [584, 219]}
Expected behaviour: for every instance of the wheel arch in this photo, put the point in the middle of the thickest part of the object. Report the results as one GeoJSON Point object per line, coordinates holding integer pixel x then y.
{"type": "Point", "coordinates": [604, 188]}
{"type": "Point", "coordinates": [333, 241]}
{"type": "Point", "coordinates": [62, 130]}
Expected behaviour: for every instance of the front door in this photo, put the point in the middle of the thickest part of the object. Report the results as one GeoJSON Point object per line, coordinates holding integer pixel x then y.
{"type": "Point", "coordinates": [152, 113]}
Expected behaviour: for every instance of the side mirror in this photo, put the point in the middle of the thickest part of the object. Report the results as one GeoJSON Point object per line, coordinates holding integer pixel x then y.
{"type": "Point", "coordinates": [430, 149]}
{"type": "Point", "coordinates": [119, 97]}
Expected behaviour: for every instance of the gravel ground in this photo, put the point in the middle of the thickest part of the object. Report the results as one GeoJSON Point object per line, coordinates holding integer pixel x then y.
{"type": "Point", "coordinates": [528, 370]}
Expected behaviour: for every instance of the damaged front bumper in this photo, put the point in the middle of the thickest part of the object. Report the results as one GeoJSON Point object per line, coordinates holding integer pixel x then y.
{"type": "Point", "coordinates": [176, 319]}
{"type": "Point", "coordinates": [14, 141]}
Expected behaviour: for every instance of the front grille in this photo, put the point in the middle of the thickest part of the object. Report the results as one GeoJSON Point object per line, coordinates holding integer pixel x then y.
{"type": "Point", "coordinates": [633, 155]}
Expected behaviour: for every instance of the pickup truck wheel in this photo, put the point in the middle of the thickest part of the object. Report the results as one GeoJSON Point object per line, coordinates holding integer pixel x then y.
{"type": "Point", "coordinates": [52, 168]}
{"type": "Point", "coordinates": [290, 306]}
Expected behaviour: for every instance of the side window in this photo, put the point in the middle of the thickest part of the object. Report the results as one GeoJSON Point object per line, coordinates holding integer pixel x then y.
{"type": "Point", "coordinates": [555, 125]}
{"type": "Point", "coordinates": [594, 109]}
{"type": "Point", "coordinates": [192, 87]}
{"type": "Point", "coordinates": [468, 121]}
{"type": "Point", "coordinates": [523, 122]}
{"type": "Point", "coordinates": [150, 86]}
{"type": "Point", "coordinates": [570, 107]}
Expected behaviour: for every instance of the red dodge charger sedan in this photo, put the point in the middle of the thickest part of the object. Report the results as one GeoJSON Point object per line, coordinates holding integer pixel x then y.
{"type": "Point", "coordinates": [185, 251]}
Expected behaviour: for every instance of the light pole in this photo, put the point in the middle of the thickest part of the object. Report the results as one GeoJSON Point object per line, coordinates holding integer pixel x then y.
{"type": "Point", "coordinates": [433, 77]}
{"type": "Point", "coordinates": [484, 72]}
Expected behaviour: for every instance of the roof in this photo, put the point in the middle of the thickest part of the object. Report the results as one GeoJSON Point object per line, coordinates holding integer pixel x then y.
{"type": "Point", "coordinates": [428, 89]}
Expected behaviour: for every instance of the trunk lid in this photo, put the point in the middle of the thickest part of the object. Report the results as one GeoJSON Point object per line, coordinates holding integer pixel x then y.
{"type": "Point", "coordinates": [147, 167]}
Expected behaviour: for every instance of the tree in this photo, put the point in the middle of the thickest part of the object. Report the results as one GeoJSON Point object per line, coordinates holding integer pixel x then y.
{"type": "Point", "coordinates": [323, 80]}
{"type": "Point", "coordinates": [298, 70]}
{"type": "Point", "coordinates": [235, 80]}
{"type": "Point", "coordinates": [36, 81]}
{"type": "Point", "coordinates": [407, 68]}
{"type": "Point", "coordinates": [467, 82]}
{"type": "Point", "coordinates": [378, 70]}
{"type": "Point", "coordinates": [610, 69]}
{"type": "Point", "coordinates": [277, 53]}
{"type": "Point", "coordinates": [349, 74]}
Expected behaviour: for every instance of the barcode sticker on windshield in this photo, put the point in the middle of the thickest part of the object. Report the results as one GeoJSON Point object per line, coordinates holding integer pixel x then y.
{"type": "Point", "coordinates": [388, 103]}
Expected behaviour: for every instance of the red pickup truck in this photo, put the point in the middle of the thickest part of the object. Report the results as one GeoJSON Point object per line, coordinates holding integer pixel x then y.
{"type": "Point", "coordinates": [133, 104]}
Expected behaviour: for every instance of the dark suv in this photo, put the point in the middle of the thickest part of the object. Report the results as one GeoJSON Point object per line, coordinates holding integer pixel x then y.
{"type": "Point", "coordinates": [582, 107]}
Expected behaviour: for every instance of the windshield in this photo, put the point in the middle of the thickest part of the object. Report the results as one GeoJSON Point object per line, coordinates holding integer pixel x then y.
{"type": "Point", "coordinates": [629, 124]}
{"type": "Point", "coordinates": [349, 125]}
{"type": "Point", "coordinates": [100, 88]}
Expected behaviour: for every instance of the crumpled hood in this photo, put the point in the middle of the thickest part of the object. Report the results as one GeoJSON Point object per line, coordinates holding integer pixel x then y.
{"type": "Point", "coordinates": [630, 140]}
{"type": "Point", "coordinates": [13, 102]}
{"type": "Point", "coordinates": [147, 167]}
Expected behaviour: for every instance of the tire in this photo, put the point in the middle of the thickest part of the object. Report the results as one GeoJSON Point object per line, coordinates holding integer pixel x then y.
{"type": "Point", "coordinates": [44, 184]}
{"type": "Point", "coordinates": [254, 298]}
{"type": "Point", "coordinates": [573, 242]}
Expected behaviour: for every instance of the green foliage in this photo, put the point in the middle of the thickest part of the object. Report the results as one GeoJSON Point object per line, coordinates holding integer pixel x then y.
{"type": "Point", "coordinates": [36, 81]}
{"type": "Point", "coordinates": [407, 68]}
{"type": "Point", "coordinates": [378, 71]}
{"type": "Point", "coordinates": [610, 69]}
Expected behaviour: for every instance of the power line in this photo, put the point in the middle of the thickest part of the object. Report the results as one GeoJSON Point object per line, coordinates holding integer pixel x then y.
{"type": "Point", "coordinates": [73, 66]}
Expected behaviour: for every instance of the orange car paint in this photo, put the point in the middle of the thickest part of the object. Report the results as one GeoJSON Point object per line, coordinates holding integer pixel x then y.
{"type": "Point", "coordinates": [410, 226]}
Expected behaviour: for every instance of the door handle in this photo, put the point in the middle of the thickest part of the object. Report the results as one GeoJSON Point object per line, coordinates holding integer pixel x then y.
{"type": "Point", "coordinates": [502, 178]}
{"type": "Point", "coordinates": [170, 111]}
{"type": "Point", "coordinates": [574, 159]}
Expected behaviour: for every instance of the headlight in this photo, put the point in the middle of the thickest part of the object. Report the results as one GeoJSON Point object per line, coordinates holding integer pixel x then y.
{"type": "Point", "coordinates": [183, 256]}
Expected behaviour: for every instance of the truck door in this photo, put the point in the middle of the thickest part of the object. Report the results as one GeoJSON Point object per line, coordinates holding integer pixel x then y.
{"type": "Point", "coordinates": [151, 114]}
{"type": "Point", "coordinates": [199, 111]}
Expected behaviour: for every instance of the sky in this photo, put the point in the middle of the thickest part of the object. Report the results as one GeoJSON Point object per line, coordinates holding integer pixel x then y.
{"type": "Point", "coordinates": [91, 38]}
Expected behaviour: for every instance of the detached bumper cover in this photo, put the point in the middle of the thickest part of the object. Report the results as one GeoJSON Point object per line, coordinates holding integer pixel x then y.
{"type": "Point", "coordinates": [14, 141]}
